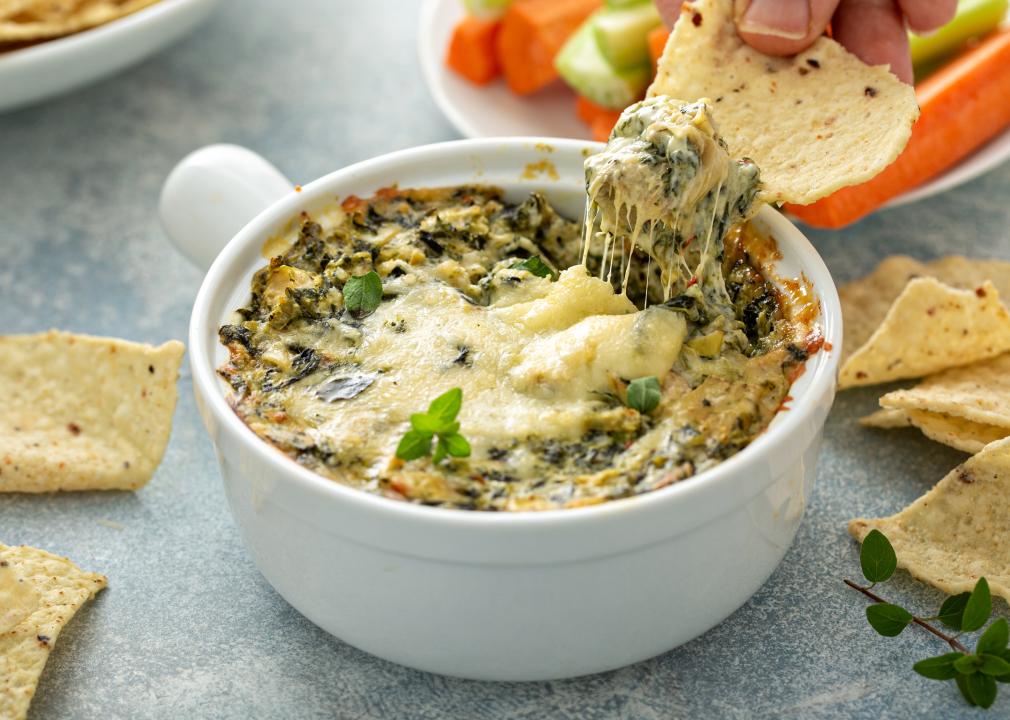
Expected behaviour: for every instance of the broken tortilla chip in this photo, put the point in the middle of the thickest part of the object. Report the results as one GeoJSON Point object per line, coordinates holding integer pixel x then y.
{"type": "Point", "coordinates": [886, 419]}
{"type": "Point", "coordinates": [964, 435]}
{"type": "Point", "coordinates": [82, 412]}
{"type": "Point", "coordinates": [46, 19]}
{"type": "Point", "coordinates": [39, 594]}
{"type": "Point", "coordinates": [979, 392]}
{"type": "Point", "coordinates": [865, 302]}
{"type": "Point", "coordinates": [814, 122]}
{"type": "Point", "coordinates": [930, 327]}
{"type": "Point", "coordinates": [960, 530]}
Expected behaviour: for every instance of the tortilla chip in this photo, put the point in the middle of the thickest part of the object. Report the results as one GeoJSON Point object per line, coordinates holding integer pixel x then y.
{"type": "Point", "coordinates": [46, 591]}
{"type": "Point", "coordinates": [930, 327]}
{"type": "Point", "coordinates": [813, 123]}
{"type": "Point", "coordinates": [979, 392]}
{"type": "Point", "coordinates": [886, 419]}
{"type": "Point", "coordinates": [83, 413]}
{"type": "Point", "coordinates": [865, 302]}
{"type": "Point", "coordinates": [960, 530]}
{"type": "Point", "coordinates": [964, 435]}
{"type": "Point", "coordinates": [45, 19]}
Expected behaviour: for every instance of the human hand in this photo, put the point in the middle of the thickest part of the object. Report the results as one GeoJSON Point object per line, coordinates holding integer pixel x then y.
{"type": "Point", "coordinates": [873, 30]}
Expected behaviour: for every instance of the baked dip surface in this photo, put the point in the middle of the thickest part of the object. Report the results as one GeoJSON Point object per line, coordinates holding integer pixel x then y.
{"type": "Point", "coordinates": [594, 360]}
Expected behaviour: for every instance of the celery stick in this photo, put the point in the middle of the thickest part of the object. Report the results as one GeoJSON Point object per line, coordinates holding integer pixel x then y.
{"type": "Point", "coordinates": [973, 19]}
{"type": "Point", "coordinates": [489, 9]}
{"type": "Point", "coordinates": [623, 34]}
{"type": "Point", "coordinates": [621, 4]}
{"type": "Point", "coordinates": [584, 67]}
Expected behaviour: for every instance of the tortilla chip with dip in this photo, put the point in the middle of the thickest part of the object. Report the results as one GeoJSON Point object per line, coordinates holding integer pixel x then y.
{"type": "Point", "coordinates": [31, 20]}
{"type": "Point", "coordinates": [39, 594]}
{"type": "Point", "coordinates": [960, 530]}
{"type": "Point", "coordinates": [813, 123]}
{"type": "Point", "coordinates": [865, 302]}
{"type": "Point", "coordinates": [82, 412]}
{"type": "Point", "coordinates": [930, 327]}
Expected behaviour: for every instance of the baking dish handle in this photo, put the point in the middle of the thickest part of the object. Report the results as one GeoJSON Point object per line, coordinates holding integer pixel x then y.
{"type": "Point", "coordinates": [212, 193]}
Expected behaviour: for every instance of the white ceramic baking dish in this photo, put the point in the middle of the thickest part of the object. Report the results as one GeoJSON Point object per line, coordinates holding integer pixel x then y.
{"type": "Point", "coordinates": [523, 596]}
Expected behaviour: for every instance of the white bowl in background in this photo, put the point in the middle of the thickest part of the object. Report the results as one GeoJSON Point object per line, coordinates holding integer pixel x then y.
{"type": "Point", "coordinates": [500, 596]}
{"type": "Point", "coordinates": [56, 66]}
{"type": "Point", "coordinates": [491, 110]}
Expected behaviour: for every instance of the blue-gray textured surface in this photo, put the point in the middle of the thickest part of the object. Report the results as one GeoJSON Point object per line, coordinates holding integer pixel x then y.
{"type": "Point", "coordinates": [188, 628]}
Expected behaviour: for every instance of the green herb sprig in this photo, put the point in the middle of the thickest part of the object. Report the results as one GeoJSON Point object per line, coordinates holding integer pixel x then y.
{"type": "Point", "coordinates": [536, 266]}
{"type": "Point", "coordinates": [439, 422]}
{"type": "Point", "coordinates": [975, 673]}
{"type": "Point", "coordinates": [363, 294]}
{"type": "Point", "coordinates": [644, 394]}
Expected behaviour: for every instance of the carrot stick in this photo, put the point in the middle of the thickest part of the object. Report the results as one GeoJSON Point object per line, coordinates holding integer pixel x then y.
{"type": "Point", "coordinates": [589, 112]}
{"type": "Point", "coordinates": [472, 49]}
{"type": "Point", "coordinates": [532, 33]}
{"type": "Point", "coordinates": [600, 128]}
{"type": "Point", "coordinates": [657, 41]}
{"type": "Point", "coordinates": [963, 106]}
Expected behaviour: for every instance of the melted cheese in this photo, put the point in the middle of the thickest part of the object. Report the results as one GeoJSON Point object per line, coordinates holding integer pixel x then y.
{"type": "Point", "coordinates": [534, 368]}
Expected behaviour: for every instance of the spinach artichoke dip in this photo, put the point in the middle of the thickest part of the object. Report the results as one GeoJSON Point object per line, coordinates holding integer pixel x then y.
{"type": "Point", "coordinates": [452, 348]}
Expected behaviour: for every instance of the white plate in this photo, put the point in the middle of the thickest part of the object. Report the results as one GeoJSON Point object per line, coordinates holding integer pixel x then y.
{"type": "Point", "coordinates": [41, 71]}
{"type": "Point", "coordinates": [493, 111]}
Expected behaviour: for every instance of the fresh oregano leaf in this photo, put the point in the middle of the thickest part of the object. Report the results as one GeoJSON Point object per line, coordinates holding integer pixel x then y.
{"type": "Point", "coordinates": [952, 610]}
{"type": "Point", "coordinates": [887, 619]}
{"type": "Point", "coordinates": [940, 667]}
{"type": "Point", "coordinates": [994, 665]}
{"type": "Point", "coordinates": [447, 405]}
{"type": "Point", "coordinates": [457, 445]}
{"type": "Point", "coordinates": [423, 422]}
{"type": "Point", "coordinates": [536, 266]}
{"type": "Point", "coordinates": [362, 294]}
{"type": "Point", "coordinates": [982, 689]}
{"type": "Point", "coordinates": [968, 664]}
{"type": "Point", "coordinates": [978, 608]}
{"type": "Point", "coordinates": [441, 450]}
{"type": "Point", "coordinates": [962, 685]}
{"type": "Point", "coordinates": [438, 423]}
{"type": "Point", "coordinates": [413, 445]}
{"type": "Point", "coordinates": [1004, 678]}
{"type": "Point", "coordinates": [877, 557]}
{"type": "Point", "coordinates": [644, 394]}
{"type": "Point", "coordinates": [994, 639]}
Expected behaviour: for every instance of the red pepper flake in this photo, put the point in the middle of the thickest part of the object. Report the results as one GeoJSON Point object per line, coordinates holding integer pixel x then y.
{"type": "Point", "coordinates": [692, 281]}
{"type": "Point", "coordinates": [815, 341]}
{"type": "Point", "coordinates": [797, 373]}
{"type": "Point", "coordinates": [980, 291]}
{"type": "Point", "coordinates": [74, 428]}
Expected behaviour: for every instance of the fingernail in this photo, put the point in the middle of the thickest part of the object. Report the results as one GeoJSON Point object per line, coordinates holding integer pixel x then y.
{"type": "Point", "coordinates": [790, 20]}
